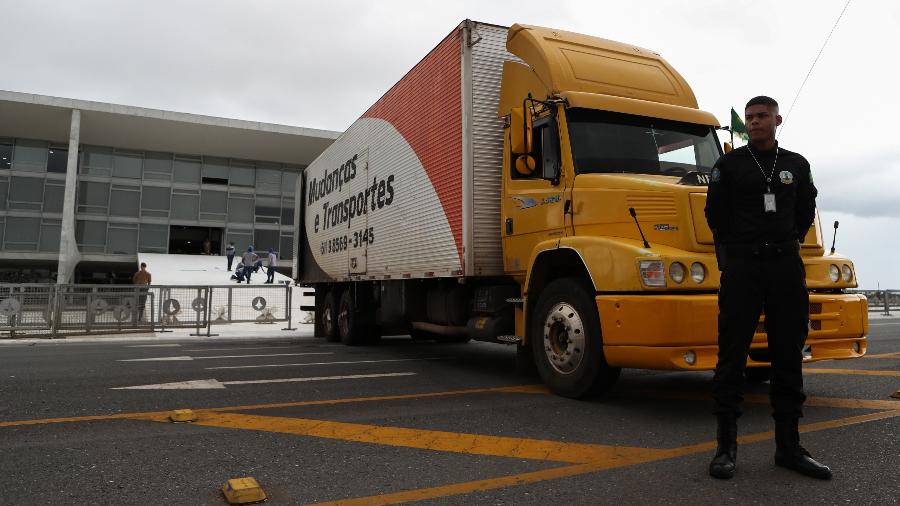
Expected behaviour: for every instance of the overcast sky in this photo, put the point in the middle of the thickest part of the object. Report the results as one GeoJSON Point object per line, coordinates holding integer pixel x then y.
{"type": "Point", "coordinates": [321, 64]}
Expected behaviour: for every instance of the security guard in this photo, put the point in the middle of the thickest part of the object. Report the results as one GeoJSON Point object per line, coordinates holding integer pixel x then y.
{"type": "Point", "coordinates": [760, 205]}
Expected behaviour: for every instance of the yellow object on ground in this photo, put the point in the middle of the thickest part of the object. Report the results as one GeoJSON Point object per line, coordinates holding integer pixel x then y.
{"type": "Point", "coordinates": [183, 415]}
{"type": "Point", "coordinates": [243, 491]}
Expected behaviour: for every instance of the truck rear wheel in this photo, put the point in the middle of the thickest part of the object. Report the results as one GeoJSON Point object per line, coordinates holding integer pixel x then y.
{"type": "Point", "coordinates": [329, 317]}
{"type": "Point", "coordinates": [566, 341]}
{"type": "Point", "coordinates": [350, 326]}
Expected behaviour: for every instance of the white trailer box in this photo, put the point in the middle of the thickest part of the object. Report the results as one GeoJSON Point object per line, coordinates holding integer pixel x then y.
{"type": "Point", "coordinates": [412, 188]}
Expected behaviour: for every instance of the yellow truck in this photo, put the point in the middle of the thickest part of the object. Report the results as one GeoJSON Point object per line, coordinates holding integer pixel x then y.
{"type": "Point", "coordinates": [544, 189]}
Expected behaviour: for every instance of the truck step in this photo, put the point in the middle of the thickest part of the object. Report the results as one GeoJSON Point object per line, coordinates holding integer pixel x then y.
{"type": "Point", "coordinates": [510, 339]}
{"type": "Point", "coordinates": [516, 300]}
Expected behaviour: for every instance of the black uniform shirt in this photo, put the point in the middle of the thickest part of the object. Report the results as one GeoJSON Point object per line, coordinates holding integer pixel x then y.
{"type": "Point", "coordinates": [734, 205]}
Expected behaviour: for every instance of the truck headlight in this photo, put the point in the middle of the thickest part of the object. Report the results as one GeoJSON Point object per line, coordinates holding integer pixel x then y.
{"type": "Point", "coordinates": [847, 272]}
{"type": "Point", "coordinates": [698, 272]}
{"type": "Point", "coordinates": [653, 273]}
{"type": "Point", "coordinates": [834, 272]}
{"type": "Point", "coordinates": [676, 272]}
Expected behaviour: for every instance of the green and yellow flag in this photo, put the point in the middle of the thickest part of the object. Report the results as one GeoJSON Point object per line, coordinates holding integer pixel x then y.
{"type": "Point", "coordinates": [737, 125]}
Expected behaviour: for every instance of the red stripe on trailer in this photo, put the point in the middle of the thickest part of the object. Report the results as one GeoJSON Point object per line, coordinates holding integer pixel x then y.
{"type": "Point", "coordinates": [426, 108]}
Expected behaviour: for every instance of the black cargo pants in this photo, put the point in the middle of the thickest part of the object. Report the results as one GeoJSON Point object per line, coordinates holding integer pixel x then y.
{"type": "Point", "coordinates": [772, 280]}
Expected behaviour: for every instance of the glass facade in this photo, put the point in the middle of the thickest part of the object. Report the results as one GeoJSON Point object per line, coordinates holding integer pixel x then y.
{"type": "Point", "coordinates": [126, 200]}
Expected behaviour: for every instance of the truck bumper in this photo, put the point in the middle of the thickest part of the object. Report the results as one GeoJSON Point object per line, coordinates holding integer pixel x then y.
{"type": "Point", "coordinates": [668, 331]}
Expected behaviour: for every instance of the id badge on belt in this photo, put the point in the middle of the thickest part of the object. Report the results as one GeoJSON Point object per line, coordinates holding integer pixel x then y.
{"type": "Point", "coordinates": [769, 202]}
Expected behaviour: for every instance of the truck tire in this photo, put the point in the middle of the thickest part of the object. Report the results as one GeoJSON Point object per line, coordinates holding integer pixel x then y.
{"type": "Point", "coordinates": [329, 317]}
{"type": "Point", "coordinates": [567, 343]}
{"type": "Point", "coordinates": [350, 325]}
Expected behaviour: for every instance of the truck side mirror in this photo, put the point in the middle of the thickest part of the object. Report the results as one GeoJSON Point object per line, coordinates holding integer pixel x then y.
{"type": "Point", "coordinates": [525, 165]}
{"type": "Point", "coordinates": [727, 147]}
{"type": "Point", "coordinates": [520, 127]}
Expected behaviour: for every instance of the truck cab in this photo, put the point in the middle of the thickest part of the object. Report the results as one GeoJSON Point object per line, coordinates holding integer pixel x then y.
{"type": "Point", "coordinates": [605, 171]}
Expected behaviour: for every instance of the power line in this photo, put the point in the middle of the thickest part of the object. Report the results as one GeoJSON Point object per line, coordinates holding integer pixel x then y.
{"type": "Point", "coordinates": [813, 66]}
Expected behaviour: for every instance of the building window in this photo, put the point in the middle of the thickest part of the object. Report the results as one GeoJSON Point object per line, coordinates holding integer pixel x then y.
{"type": "Point", "coordinates": [123, 238]}
{"type": "Point", "coordinates": [287, 212]}
{"type": "Point", "coordinates": [125, 201]}
{"type": "Point", "coordinates": [26, 193]}
{"type": "Point", "coordinates": [155, 201]}
{"type": "Point", "coordinates": [268, 210]}
{"type": "Point", "coordinates": [50, 231]}
{"type": "Point", "coordinates": [127, 164]}
{"type": "Point", "coordinates": [4, 190]}
{"type": "Point", "coordinates": [268, 179]}
{"type": "Point", "coordinates": [265, 239]}
{"type": "Point", "coordinates": [97, 161]}
{"type": "Point", "coordinates": [91, 236]}
{"type": "Point", "coordinates": [93, 198]}
{"type": "Point", "coordinates": [153, 238]}
{"type": "Point", "coordinates": [22, 233]}
{"type": "Point", "coordinates": [240, 208]}
{"type": "Point", "coordinates": [30, 156]}
{"type": "Point", "coordinates": [158, 166]}
{"type": "Point", "coordinates": [57, 160]}
{"type": "Point", "coordinates": [287, 247]}
{"type": "Point", "coordinates": [186, 169]}
{"type": "Point", "coordinates": [213, 205]}
{"type": "Point", "coordinates": [289, 181]}
{"type": "Point", "coordinates": [242, 174]}
{"type": "Point", "coordinates": [215, 170]}
{"type": "Point", "coordinates": [54, 195]}
{"type": "Point", "coordinates": [5, 155]}
{"type": "Point", "coordinates": [185, 204]}
{"type": "Point", "coordinates": [241, 239]}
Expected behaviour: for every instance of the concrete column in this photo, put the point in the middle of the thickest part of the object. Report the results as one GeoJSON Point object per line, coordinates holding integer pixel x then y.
{"type": "Point", "coordinates": [69, 256]}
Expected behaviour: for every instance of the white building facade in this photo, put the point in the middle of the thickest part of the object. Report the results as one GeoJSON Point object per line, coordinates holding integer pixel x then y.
{"type": "Point", "coordinates": [85, 186]}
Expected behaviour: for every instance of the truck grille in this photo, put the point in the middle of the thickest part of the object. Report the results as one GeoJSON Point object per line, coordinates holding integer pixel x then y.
{"type": "Point", "coordinates": [652, 204]}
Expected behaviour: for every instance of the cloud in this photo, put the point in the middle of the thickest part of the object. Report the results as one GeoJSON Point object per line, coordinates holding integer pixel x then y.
{"type": "Point", "coordinates": [862, 185]}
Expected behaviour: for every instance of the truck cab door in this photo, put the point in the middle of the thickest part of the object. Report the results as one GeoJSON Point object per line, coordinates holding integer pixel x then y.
{"type": "Point", "coordinates": [358, 234]}
{"type": "Point", "coordinates": [533, 203]}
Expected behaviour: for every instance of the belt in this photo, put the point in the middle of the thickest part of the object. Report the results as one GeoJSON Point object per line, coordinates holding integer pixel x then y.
{"type": "Point", "coordinates": [763, 250]}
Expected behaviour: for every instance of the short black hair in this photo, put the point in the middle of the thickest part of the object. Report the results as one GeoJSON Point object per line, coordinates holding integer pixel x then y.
{"type": "Point", "coordinates": [143, 264]}
{"type": "Point", "coordinates": [762, 100]}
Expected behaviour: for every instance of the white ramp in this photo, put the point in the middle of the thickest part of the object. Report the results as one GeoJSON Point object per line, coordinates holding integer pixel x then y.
{"type": "Point", "coordinates": [199, 270]}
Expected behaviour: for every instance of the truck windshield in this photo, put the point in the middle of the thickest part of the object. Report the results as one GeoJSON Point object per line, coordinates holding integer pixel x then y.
{"type": "Point", "coordinates": [608, 142]}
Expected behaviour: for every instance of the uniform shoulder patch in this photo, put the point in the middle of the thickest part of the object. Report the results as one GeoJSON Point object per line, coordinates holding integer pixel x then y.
{"type": "Point", "coordinates": [716, 175]}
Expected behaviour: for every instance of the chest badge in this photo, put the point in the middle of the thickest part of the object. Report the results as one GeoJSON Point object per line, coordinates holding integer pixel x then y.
{"type": "Point", "coordinates": [786, 177]}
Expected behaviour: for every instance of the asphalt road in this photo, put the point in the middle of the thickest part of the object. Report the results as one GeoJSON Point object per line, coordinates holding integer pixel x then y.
{"type": "Point", "coordinates": [405, 421]}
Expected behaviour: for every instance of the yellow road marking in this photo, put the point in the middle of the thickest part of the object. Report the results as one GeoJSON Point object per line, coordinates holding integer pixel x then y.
{"type": "Point", "coordinates": [562, 472]}
{"type": "Point", "coordinates": [854, 372]}
{"type": "Point", "coordinates": [454, 442]}
{"type": "Point", "coordinates": [530, 389]}
{"type": "Point", "coordinates": [467, 487]}
{"type": "Point", "coordinates": [821, 402]}
{"type": "Point", "coordinates": [884, 355]}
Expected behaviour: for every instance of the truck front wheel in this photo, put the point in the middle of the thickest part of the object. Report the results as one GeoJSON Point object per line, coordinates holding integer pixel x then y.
{"type": "Point", "coordinates": [567, 343]}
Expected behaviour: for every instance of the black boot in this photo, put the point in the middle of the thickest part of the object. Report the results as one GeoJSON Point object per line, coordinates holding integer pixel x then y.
{"type": "Point", "coordinates": [789, 453]}
{"type": "Point", "coordinates": [723, 464]}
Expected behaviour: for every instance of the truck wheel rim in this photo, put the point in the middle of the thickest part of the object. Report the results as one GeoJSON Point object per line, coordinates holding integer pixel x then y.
{"type": "Point", "coordinates": [564, 338]}
{"type": "Point", "coordinates": [343, 319]}
{"type": "Point", "coordinates": [327, 322]}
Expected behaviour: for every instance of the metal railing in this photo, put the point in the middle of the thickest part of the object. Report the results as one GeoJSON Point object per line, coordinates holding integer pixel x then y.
{"type": "Point", "coordinates": [49, 310]}
{"type": "Point", "coordinates": [883, 301]}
